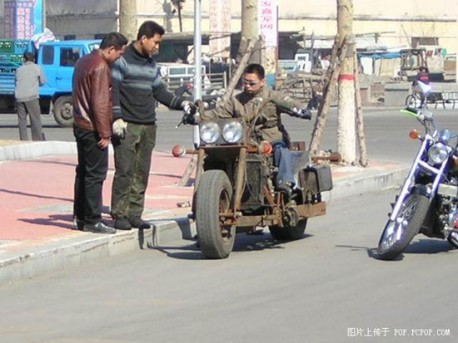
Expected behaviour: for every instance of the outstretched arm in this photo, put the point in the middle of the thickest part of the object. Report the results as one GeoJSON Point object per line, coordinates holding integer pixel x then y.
{"type": "Point", "coordinates": [288, 105]}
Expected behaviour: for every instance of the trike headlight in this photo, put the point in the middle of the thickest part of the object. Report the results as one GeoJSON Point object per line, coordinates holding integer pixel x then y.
{"type": "Point", "coordinates": [210, 132]}
{"type": "Point", "coordinates": [232, 132]}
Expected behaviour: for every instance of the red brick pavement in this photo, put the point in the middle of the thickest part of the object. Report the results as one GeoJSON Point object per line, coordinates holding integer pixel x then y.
{"type": "Point", "coordinates": [36, 196]}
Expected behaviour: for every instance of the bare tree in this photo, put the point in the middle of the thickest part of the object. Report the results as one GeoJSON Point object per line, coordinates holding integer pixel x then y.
{"type": "Point", "coordinates": [178, 4]}
{"type": "Point", "coordinates": [346, 132]}
{"type": "Point", "coordinates": [128, 18]}
{"type": "Point", "coordinates": [249, 28]}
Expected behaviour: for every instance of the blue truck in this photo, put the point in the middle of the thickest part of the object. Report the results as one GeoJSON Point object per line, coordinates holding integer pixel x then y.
{"type": "Point", "coordinates": [57, 59]}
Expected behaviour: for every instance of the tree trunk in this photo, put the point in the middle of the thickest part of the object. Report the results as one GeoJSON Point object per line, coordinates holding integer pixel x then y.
{"type": "Point", "coordinates": [180, 19]}
{"type": "Point", "coordinates": [346, 135]}
{"type": "Point", "coordinates": [359, 115]}
{"type": "Point", "coordinates": [128, 18]}
{"type": "Point", "coordinates": [333, 72]}
{"type": "Point", "coordinates": [249, 29]}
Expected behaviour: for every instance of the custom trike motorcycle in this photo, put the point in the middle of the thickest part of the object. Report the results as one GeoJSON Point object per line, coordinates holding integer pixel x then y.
{"type": "Point", "coordinates": [427, 202]}
{"type": "Point", "coordinates": [234, 188]}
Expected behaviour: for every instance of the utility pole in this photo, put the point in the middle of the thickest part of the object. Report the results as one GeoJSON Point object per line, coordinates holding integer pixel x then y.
{"type": "Point", "coordinates": [249, 28]}
{"type": "Point", "coordinates": [197, 63]}
{"type": "Point", "coordinates": [128, 18]}
{"type": "Point", "coordinates": [346, 132]}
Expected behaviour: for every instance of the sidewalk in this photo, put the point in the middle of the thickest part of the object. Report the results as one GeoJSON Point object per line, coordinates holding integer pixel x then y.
{"type": "Point", "coordinates": [36, 197]}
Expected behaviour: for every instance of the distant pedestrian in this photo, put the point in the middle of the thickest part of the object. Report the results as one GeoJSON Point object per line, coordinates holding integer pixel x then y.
{"type": "Point", "coordinates": [29, 77]}
{"type": "Point", "coordinates": [421, 85]}
{"type": "Point", "coordinates": [422, 76]}
{"type": "Point", "coordinates": [92, 113]}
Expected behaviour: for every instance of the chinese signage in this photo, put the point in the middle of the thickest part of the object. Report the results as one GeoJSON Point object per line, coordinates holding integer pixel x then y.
{"type": "Point", "coordinates": [220, 28]}
{"type": "Point", "coordinates": [267, 19]}
{"type": "Point", "coordinates": [23, 18]}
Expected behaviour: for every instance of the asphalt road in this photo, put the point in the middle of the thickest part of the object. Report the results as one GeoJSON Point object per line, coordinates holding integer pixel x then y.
{"type": "Point", "coordinates": [386, 131]}
{"type": "Point", "coordinates": [327, 287]}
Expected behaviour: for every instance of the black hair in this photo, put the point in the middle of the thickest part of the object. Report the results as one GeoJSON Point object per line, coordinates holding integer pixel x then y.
{"type": "Point", "coordinates": [29, 56]}
{"type": "Point", "coordinates": [255, 68]}
{"type": "Point", "coordinates": [149, 28]}
{"type": "Point", "coordinates": [114, 39]}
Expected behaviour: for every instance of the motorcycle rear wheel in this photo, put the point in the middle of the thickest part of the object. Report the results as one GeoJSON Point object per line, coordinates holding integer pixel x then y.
{"type": "Point", "coordinates": [398, 233]}
{"type": "Point", "coordinates": [288, 233]}
{"type": "Point", "coordinates": [214, 196]}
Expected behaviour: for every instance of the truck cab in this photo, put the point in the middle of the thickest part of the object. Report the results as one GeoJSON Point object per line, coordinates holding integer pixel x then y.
{"type": "Point", "coordinates": [57, 59]}
{"type": "Point", "coordinates": [430, 56]}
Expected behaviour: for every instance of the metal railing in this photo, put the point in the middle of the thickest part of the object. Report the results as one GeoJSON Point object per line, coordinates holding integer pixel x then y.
{"type": "Point", "coordinates": [210, 82]}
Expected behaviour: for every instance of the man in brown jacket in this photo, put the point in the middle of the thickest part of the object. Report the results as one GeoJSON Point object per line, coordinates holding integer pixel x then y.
{"type": "Point", "coordinates": [92, 113]}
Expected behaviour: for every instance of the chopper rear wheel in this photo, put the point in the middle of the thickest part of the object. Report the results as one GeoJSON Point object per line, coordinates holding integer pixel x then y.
{"type": "Point", "coordinates": [288, 233]}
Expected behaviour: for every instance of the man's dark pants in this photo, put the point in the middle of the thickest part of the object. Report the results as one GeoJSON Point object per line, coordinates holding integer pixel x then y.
{"type": "Point", "coordinates": [32, 108]}
{"type": "Point", "coordinates": [283, 160]}
{"type": "Point", "coordinates": [91, 172]}
{"type": "Point", "coordinates": [132, 167]}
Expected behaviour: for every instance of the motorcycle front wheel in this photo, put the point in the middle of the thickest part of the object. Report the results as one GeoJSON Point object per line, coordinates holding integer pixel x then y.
{"type": "Point", "coordinates": [214, 196]}
{"type": "Point", "coordinates": [398, 233]}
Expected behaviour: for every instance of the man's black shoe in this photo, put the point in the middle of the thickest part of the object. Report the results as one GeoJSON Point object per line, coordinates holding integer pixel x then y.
{"type": "Point", "coordinates": [139, 223]}
{"type": "Point", "coordinates": [79, 224]}
{"type": "Point", "coordinates": [122, 224]}
{"type": "Point", "coordinates": [99, 227]}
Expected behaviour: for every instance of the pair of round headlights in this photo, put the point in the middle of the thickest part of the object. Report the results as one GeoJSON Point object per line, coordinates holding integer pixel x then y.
{"type": "Point", "coordinates": [230, 132]}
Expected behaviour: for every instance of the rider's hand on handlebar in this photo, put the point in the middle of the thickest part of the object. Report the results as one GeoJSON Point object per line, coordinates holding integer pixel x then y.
{"type": "Point", "coordinates": [189, 107]}
{"type": "Point", "coordinates": [303, 113]}
{"type": "Point", "coordinates": [189, 111]}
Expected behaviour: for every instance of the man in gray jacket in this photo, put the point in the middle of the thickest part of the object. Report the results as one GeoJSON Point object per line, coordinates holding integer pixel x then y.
{"type": "Point", "coordinates": [28, 78]}
{"type": "Point", "coordinates": [137, 85]}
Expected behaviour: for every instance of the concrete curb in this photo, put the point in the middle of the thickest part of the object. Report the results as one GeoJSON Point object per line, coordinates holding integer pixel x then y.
{"type": "Point", "coordinates": [374, 181]}
{"type": "Point", "coordinates": [76, 251]}
{"type": "Point", "coordinates": [168, 226]}
{"type": "Point", "coordinates": [24, 151]}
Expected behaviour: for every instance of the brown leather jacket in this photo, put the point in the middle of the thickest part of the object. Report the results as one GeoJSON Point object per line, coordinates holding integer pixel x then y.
{"type": "Point", "coordinates": [92, 103]}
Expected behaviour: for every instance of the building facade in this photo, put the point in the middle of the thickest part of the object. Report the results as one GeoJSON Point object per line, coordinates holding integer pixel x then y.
{"type": "Point", "coordinates": [392, 23]}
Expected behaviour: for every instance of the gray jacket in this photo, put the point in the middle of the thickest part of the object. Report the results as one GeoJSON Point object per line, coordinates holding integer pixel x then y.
{"type": "Point", "coordinates": [29, 77]}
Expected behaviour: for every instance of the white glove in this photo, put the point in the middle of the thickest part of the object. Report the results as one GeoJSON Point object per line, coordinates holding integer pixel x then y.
{"type": "Point", "coordinates": [189, 107]}
{"type": "Point", "coordinates": [189, 113]}
{"type": "Point", "coordinates": [119, 128]}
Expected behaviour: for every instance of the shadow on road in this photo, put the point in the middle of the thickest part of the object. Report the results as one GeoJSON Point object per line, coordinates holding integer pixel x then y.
{"type": "Point", "coordinates": [244, 243]}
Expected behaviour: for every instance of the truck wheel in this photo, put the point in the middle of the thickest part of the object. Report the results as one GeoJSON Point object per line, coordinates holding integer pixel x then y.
{"type": "Point", "coordinates": [288, 233]}
{"type": "Point", "coordinates": [214, 196]}
{"type": "Point", "coordinates": [63, 111]}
